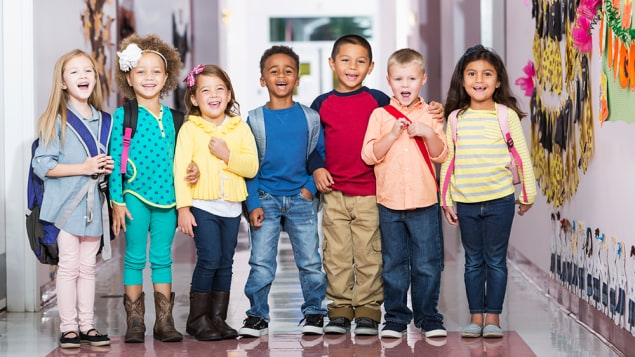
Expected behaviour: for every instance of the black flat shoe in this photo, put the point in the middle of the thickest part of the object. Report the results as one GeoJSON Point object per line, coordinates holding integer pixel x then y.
{"type": "Point", "coordinates": [95, 340]}
{"type": "Point", "coordinates": [69, 342]}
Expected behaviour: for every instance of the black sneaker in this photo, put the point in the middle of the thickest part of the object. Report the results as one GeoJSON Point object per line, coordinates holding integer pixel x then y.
{"type": "Point", "coordinates": [313, 324]}
{"type": "Point", "coordinates": [338, 325]}
{"type": "Point", "coordinates": [434, 329]}
{"type": "Point", "coordinates": [94, 340]}
{"type": "Point", "coordinates": [365, 326]}
{"type": "Point", "coordinates": [254, 326]}
{"type": "Point", "coordinates": [70, 342]}
{"type": "Point", "coordinates": [393, 330]}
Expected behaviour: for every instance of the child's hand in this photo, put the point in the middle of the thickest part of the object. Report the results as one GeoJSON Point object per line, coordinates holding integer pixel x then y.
{"type": "Point", "coordinates": [186, 221]}
{"type": "Point", "coordinates": [436, 109]}
{"type": "Point", "coordinates": [192, 173]}
{"type": "Point", "coordinates": [323, 180]}
{"type": "Point", "coordinates": [399, 126]}
{"type": "Point", "coordinates": [218, 147]}
{"type": "Point", "coordinates": [256, 217]}
{"type": "Point", "coordinates": [450, 215]}
{"type": "Point", "coordinates": [306, 194]}
{"type": "Point", "coordinates": [119, 214]}
{"type": "Point", "coordinates": [110, 165]}
{"type": "Point", "coordinates": [420, 129]}
{"type": "Point", "coordinates": [96, 165]}
{"type": "Point", "coordinates": [523, 208]}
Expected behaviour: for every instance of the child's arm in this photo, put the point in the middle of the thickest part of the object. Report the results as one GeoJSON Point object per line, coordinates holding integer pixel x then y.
{"type": "Point", "coordinates": [244, 161]}
{"type": "Point", "coordinates": [96, 165]}
{"type": "Point", "coordinates": [377, 144]}
{"type": "Point", "coordinates": [434, 138]}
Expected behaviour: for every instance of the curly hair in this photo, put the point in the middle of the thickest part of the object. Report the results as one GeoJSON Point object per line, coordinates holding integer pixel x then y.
{"type": "Point", "coordinates": [233, 108]}
{"type": "Point", "coordinates": [279, 49]}
{"type": "Point", "coordinates": [150, 43]}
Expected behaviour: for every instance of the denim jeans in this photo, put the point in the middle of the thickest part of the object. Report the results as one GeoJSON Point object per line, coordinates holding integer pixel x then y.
{"type": "Point", "coordinates": [215, 238]}
{"type": "Point", "coordinates": [485, 228]}
{"type": "Point", "coordinates": [413, 258]}
{"type": "Point", "coordinates": [299, 218]}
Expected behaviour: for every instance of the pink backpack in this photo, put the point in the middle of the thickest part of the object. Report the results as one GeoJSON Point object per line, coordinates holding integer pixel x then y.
{"type": "Point", "coordinates": [516, 164]}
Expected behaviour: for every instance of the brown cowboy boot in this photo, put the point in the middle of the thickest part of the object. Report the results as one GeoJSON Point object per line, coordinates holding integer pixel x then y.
{"type": "Point", "coordinates": [199, 325]}
{"type": "Point", "coordinates": [218, 314]}
{"type": "Point", "coordinates": [136, 329]}
{"type": "Point", "coordinates": [164, 324]}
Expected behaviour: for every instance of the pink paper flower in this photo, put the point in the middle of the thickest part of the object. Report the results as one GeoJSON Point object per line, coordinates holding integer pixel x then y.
{"type": "Point", "coordinates": [586, 15]}
{"type": "Point", "coordinates": [528, 82]}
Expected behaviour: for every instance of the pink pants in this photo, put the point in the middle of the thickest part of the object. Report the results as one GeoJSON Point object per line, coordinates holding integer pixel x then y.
{"type": "Point", "coordinates": [76, 280]}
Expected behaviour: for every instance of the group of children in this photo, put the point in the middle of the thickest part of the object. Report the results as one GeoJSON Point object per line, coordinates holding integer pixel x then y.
{"type": "Point", "coordinates": [365, 156]}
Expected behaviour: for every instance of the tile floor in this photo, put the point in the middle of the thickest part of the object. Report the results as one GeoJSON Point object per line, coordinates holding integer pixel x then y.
{"type": "Point", "coordinates": [535, 325]}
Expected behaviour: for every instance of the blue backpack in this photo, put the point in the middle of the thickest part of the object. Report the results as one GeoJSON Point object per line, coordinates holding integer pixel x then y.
{"type": "Point", "coordinates": [42, 234]}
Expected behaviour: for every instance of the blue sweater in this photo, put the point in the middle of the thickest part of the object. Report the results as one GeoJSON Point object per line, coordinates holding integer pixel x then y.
{"type": "Point", "coordinates": [283, 170]}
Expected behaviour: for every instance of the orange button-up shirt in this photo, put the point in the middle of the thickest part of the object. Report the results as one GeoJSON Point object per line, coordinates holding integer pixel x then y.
{"type": "Point", "coordinates": [404, 180]}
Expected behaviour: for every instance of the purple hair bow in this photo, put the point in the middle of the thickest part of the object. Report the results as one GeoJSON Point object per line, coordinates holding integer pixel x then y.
{"type": "Point", "coordinates": [191, 77]}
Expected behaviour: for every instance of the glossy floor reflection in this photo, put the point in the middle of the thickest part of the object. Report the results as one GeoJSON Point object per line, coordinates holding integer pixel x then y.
{"type": "Point", "coordinates": [535, 325]}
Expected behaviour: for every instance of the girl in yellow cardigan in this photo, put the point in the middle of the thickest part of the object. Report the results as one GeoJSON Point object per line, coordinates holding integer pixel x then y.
{"type": "Point", "coordinates": [222, 145]}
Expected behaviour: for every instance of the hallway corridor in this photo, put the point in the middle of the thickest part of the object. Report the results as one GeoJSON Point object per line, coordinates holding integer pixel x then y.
{"type": "Point", "coordinates": [534, 324]}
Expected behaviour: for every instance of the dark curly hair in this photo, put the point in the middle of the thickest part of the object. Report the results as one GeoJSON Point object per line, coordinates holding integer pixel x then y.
{"type": "Point", "coordinates": [458, 98]}
{"type": "Point", "coordinates": [150, 43]}
{"type": "Point", "coordinates": [276, 49]}
{"type": "Point", "coordinates": [233, 108]}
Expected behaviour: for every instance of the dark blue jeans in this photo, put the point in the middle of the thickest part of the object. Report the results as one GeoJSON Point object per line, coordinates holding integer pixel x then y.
{"type": "Point", "coordinates": [485, 229]}
{"type": "Point", "coordinates": [413, 258]}
{"type": "Point", "coordinates": [215, 238]}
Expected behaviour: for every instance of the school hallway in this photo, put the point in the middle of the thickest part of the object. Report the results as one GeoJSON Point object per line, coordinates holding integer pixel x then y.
{"type": "Point", "coordinates": [534, 324]}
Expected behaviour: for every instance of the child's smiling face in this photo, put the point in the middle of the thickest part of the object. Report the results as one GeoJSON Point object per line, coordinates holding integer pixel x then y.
{"type": "Point", "coordinates": [79, 78]}
{"type": "Point", "coordinates": [280, 75]}
{"type": "Point", "coordinates": [148, 77]}
{"type": "Point", "coordinates": [480, 81]}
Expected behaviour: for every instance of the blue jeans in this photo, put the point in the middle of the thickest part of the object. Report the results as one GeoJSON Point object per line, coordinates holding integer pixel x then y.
{"type": "Point", "coordinates": [485, 228]}
{"type": "Point", "coordinates": [413, 258]}
{"type": "Point", "coordinates": [299, 217]}
{"type": "Point", "coordinates": [215, 238]}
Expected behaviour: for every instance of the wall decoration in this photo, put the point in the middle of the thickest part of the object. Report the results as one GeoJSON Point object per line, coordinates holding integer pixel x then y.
{"type": "Point", "coordinates": [560, 109]}
{"type": "Point", "coordinates": [597, 269]}
{"type": "Point", "coordinates": [618, 61]}
{"type": "Point", "coordinates": [97, 32]}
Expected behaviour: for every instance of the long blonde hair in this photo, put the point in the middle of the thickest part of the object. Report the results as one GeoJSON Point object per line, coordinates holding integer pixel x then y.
{"type": "Point", "coordinates": [57, 101]}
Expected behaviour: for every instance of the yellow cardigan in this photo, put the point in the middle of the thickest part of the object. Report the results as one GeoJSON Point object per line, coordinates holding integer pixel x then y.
{"type": "Point", "coordinates": [192, 145]}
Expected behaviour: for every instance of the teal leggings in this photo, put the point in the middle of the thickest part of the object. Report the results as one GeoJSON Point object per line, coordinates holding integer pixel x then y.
{"type": "Point", "coordinates": [161, 223]}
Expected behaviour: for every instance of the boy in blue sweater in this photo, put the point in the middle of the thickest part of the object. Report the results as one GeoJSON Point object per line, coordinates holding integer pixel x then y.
{"type": "Point", "coordinates": [283, 192]}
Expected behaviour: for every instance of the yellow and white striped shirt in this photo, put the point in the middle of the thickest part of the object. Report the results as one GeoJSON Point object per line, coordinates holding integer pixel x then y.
{"type": "Point", "coordinates": [481, 165]}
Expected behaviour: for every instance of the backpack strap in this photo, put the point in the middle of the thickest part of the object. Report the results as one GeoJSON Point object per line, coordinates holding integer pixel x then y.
{"type": "Point", "coordinates": [257, 124]}
{"type": "Point", "coordinates": [517, 173]}
{"type": "Point", "coordinates": [130, 113]}
{"type": "Point", "coordinates": [422, 145]}
{"type": "Point", "coordinates": [452, 118]}
{"type": "Point", "coordinates": [314, 125]}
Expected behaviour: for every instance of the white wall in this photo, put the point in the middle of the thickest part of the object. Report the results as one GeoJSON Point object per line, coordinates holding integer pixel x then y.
{"type": "Point", "coordinates": [605, 192]}
{"type": "Point", "coordinates": [17, 132]}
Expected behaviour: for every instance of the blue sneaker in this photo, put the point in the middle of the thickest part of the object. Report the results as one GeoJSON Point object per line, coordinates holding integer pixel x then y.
{"type": "Point", "coordinates": [471, 331]}
{"type": "Point", "coordinates": [492, 331]}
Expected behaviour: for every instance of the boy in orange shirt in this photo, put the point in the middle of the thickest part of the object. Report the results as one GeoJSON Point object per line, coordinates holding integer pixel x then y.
{"type": "Point", "coordinates": [409, 217]}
